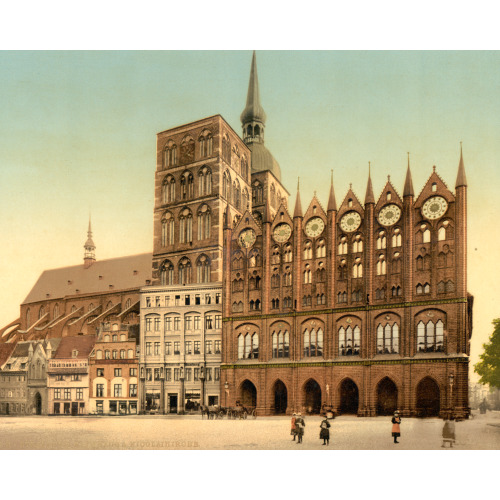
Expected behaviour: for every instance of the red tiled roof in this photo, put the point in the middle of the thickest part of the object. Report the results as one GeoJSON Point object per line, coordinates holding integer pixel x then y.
{"type": "Point", "coordinates": [82, 343]}
{"type": "Point", "coordinates": [123, 273]}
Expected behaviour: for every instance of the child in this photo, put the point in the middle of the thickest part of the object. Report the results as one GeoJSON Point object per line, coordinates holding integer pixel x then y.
{"type": "Point", "coordinates": [325, 432]}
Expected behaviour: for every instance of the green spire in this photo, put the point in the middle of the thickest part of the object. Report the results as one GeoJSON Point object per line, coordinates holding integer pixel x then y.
{"type": "Point", "coordinates": [253, 112]}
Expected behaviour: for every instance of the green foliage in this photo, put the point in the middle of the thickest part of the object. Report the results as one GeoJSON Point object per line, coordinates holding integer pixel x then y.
{"type": "Point", "coordinates": [489, 366]}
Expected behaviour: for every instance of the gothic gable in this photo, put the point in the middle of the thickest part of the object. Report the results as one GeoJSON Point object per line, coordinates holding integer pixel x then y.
{"type": "Point", "coordinates": [434, 186]}
{"type": "Point", "coordinates": [351, 202]}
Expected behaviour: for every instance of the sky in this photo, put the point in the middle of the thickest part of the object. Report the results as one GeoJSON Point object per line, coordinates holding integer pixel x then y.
{"type": "Point", "coordinates": [78, 136]}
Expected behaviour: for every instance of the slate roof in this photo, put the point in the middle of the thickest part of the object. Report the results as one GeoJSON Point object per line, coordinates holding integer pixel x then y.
{"type": "Point", "coordinates": [122, 272]}
{"type": "Point", "coordinates": [5, 352]}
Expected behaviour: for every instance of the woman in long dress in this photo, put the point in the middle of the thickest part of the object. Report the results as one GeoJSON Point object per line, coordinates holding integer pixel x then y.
{"type": "Point", "coordinates": [396, 431]}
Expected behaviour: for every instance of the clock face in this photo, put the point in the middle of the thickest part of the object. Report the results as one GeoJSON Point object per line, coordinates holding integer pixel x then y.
{"type": "Point", "coordinates": [434, 208]}
{"type": "Point", "coordinates": [389, 215]}
{"type": "Point", "coordinates": [314, 227]}
{"type": "Point", "coordinates": [246, 238]}
{"type": "Point", "coordinates": [350, 222]}
{"type": "Point", "coordinates": [282, 232]}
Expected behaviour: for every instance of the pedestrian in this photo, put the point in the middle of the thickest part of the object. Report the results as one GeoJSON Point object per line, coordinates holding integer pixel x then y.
{"type": "Point", "coordinates": [449, 432]}
{"type": "Point", "coordinates": [293, 431]}
{"type": "Point", "coordinates": [324, 433]}
{"type": "Point", "coordinates": [299, 426]}
{"type": "Point", "coordinates": [396, 431]}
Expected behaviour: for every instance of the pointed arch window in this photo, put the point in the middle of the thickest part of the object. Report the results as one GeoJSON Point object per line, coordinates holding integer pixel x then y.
{"type": "Point", "coordinates": [167, 229]}
{"type": "Point", "coordinates": [206, 144]}
{"type": "Point", "coordinates": [357, 244]}
{"type": "Point", "coordinates": [342, 297]}
{"type": "Point", "coordinates": [203, 269]}
{"type": "Point", "coordinates": [320, 248]}
{"type": "Point", "coordinates": [343, 245]}
{"type": "Point", "coordinates": [342, 270]}
{"type": "Point", "coordinates": [381, 240]}
{"type": "Point", "coordinates": [237, 194]}
{"type": "Point", "coordinates": [275, 256]}
{"type": "Point", "coordinates": [287, 277]}
{"type": "Point", "coordinates": [426, 236]}
{"type": "Point", "coordinates": [307, 274]}
{"type": "Point", "coordinates": [321, 299]}
{"type": "Point", "coordinates": [287, 253]}
{"type": "Point", "coordinates": [167, 273]}
{"type": "Point", "coordinates": [204, 223]}
{"type": "Point", "coordinates": [185, 271]}
{"type": "Point", "coordinates": [244, 168]}
{"type": "Point", "coordinates": [396, 263]}
{"type": "Point", "coordinates": [41, 311]}
{"type": "Point", "coordinates": [388, 338]}
{"type": "Point", "coordinates": [170, 155]}
{"type": "Point", "coordinates": [238, 261]}
{"type": "Point", "coordinates": [381, 265]}
{"type": "Point", "coordinates": [245, 200]}
{"type": "Point", "coordinates": [349, 341]}
{"type": "Point", "coordinates": [187, 186]}
{"type": "Point", "coordinates": [430, 336]}
{"type": "Point", "coordinates": [226, 185]}
{"type": "Point", "coordinates": [205, 181]}
{"type": "Point", "coordinates": [357, 268]}
{"type": "Point", "coordinates": [257, 193]}
{"type": "Point", "coordinates": [307, 250]}
{"type": "Point", "coordinates": [226, 149]}
{"type": "Point", "coordinates": [168, 189]}
{"type": "Point", "coordinates": [280, 344]}
{"type": "Point", "coordinates": [396, 238]}
{"type": "Point", "coordinates": [186, 226]}
{"type": "Point", "coordinates": [56, 311]}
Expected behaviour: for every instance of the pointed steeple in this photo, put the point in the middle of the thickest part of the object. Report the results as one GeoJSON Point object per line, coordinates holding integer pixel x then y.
{"type": "Point", "coordinates": [253, 112]}
{"type": "Point", "coordinates": [89, 255]}
{"type": "Point", "coordinates": [369, 198]}
{"type": "Point", "coordinates": [298, 205]}
{"type": "Point", "coordinates": [332, 203]}
{"type": "Point", "coordinates": [461, 178]}
{"type": "Point", "coordinates": [408, 189]}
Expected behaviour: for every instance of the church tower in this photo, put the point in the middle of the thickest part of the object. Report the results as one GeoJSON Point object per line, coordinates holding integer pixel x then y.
{"type": "Point", "coordinates": [266, 172]}
{"type": "Point", "coordinates": [89, 255]}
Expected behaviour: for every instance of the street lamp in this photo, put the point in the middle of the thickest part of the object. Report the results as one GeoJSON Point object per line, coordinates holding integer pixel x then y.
{"type": "Point", "coordinates": [226, 387]}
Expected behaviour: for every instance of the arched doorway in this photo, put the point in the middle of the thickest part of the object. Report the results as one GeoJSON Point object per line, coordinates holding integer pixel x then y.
{"type": "Point", "coordinates": [280, 397]}
{"type": "Point", "coordinates": [38, 403]}
{"type": "Point", "coordinates": [428, 398]}
{"type": "Point", "coordinates": [248, 394]}
{"type": "Point", "coordinates": [349, 397]}
{"type": "Point", "coordinates": [312, 396]}
{"type": "Point", "coordinates": [387, 397]}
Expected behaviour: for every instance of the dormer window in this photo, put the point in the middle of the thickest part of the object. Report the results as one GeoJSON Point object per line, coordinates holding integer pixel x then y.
{"type": "Point", "coordinates": [74, 353]}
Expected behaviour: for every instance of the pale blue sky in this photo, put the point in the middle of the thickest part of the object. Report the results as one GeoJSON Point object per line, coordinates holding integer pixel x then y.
{"type": "Point", "coordinates": [78, 132]}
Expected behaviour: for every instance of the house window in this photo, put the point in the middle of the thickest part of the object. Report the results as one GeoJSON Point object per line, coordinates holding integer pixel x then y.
{"type": "Point", "coordinates": [248, 346]}
{"type": "Point", "coordinates": [117, 390]}
{"type": "Point", "coordinates": [168, 324]}
{"type": "Point", "coordinates": [67, 393]}
{"type": "Point", "coordinates": [148, 348]}
{"type": "Point", "coordinates": [57, 393]}
{"type": "Point", "coordinates": [168, 374]}
{"type": "Point", "coordinates": [349, 341]}
{"type": "Point", "coordinates": [99, 390]}
{"type": "Point", "coordinates": [281, 344]}
{"type": "Point", "coordinates": [197, 344]}
{"type": "Point", "coordinates": [188, 347]}
{"type": "Point", "coordinates": [132, 393]}
{"type": "Point", "coordinates": [388, 339]}
{"type": "Point", "coordinates": [157, 374]}
{"type": "Point", "coordinates": [79, 394]}
{"type": "Point", "coordinates": [217, 345]}
{"type": "Point", "coordinates": [100, 372]}
{"type": "Point", "coordinates": [118, 372]}
{"type": "Point", "coordinates": [133, 372]}
{"type": "Point", "coordinates": [168, 348]}
{"type": "Point", "coordinates": [177, 347]}
{"type": "Point", "coordinates": [75, 377]}
{"type": "Point", "coordinates": [208, 347]}
{"type": "Point", "coordinates": [177, 323]}
{"type": "Point", "coordinates": [157, 348]}
{"type": "Point", "coordinates": [430, 336]}
{"type": "Point", "coordinates": [149, 374]}
{"type": "Point", "coordinates": [313, 342]}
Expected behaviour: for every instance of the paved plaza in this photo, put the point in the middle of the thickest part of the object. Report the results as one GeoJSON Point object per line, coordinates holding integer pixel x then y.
{"type": "Point", "coordinates": [265, 433]}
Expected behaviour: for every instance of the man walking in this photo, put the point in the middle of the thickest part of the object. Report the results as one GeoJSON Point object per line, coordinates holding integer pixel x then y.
{"type": "Point", "coordinates": [299, 426]}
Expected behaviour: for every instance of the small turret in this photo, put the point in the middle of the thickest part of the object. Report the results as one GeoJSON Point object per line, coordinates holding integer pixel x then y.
{"type": "Point", "coordinates": [89, 255]}
{"type": "Point", "coordinates": [332, 203]}
{"type": "Point", "coordinates": [461, 178]}
{"type": "Point", "coordinates": [408, 189]}
{"type": "Point", "coordinates": [298, 205]}
{"type": "Point", "coordinates": [369, 198]}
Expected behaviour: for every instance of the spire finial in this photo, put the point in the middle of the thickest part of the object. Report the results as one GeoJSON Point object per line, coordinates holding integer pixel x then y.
{"type": "Point", "coordinates": [369, 198]}
{"type": "Point", "coordinates": [89, 255]}
{"type": "Point", "coordinates": [388, 178]}
{"type": "Point", "coordinates": [298, 205]}
{"type": "Point", "coordinates": [408, 159]}
{"type": "Point", "coordinates": [408, 189]}
{"type": "Point", "coordinates": [461, 178]}
{"type": "Point", "coordinates": [434, 168]}
{"type": "Point", "coordinates": [350, 185]}
{"type": "Point", "coordinates": [332, 203]}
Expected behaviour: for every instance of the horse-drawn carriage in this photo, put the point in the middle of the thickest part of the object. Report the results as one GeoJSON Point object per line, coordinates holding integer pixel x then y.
{"type": "Point", "coordinates": [236, 412]}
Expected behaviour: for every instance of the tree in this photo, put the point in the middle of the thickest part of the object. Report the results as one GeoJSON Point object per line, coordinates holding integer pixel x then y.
{"type": "Point", "coordinates": [489, 366]}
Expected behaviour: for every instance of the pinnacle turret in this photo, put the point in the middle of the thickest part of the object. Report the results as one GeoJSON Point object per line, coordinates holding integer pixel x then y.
{"type": "Point", "coordinates": [408, 189]}
{"type": "Point", "coordinates": [461, 178]}
{"type": "Point", "coordinates": [298, 205]}
{"type": "Point", "coordinates": [332, 203]}
{"type": "Point", "coordinates": [369, 198]}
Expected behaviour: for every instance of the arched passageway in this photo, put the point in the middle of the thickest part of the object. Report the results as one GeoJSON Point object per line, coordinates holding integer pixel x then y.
{"type": "Point", "coordinates": [38, 404]}
{"type": "Point", "coordinates": [349, 397]}
{"type": "Point", "coordinates": [428, 398]}
{"type": "Point", "coordinates": [387, 397]}
{"type": "Point", "coordinates": [280, 397]}
{"type": "Point", "coordinates": [312, 396]}
{"type": "Point", "coordinates": [248, 394]}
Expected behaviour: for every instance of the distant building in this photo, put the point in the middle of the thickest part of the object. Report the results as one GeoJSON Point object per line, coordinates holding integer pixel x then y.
{"type": "Point", "coordinates": [113, 371]}
{"type": "Point", "coordinates": [68, 376]}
